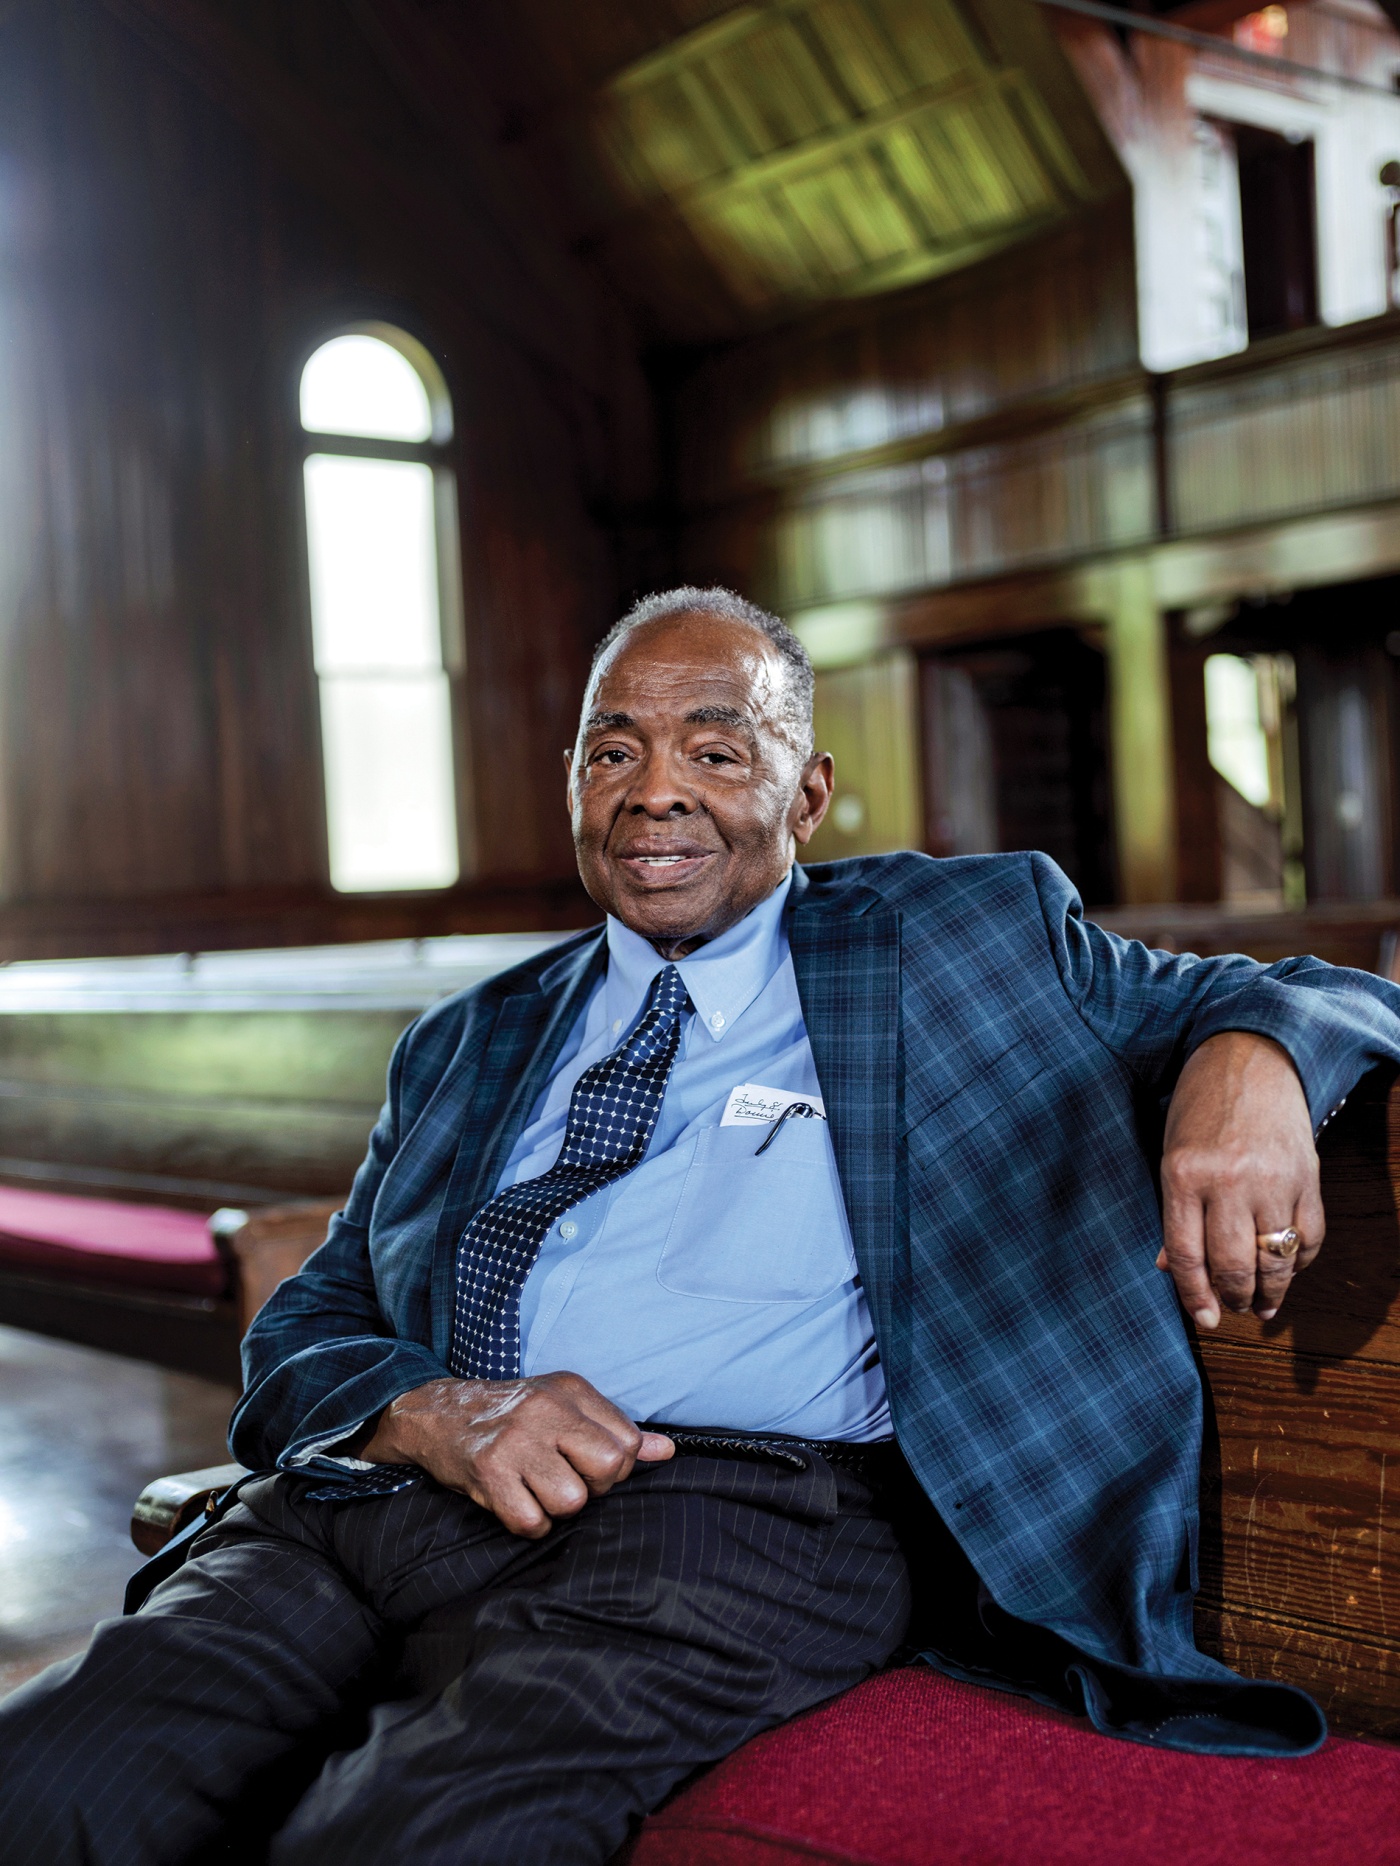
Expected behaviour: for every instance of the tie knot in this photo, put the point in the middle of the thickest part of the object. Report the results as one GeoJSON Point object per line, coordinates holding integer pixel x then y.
{"type": "Point", "coordinates": [668, 992]}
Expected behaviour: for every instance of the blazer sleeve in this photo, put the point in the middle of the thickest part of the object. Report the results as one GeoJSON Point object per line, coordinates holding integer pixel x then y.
{"type": "Point", "coordinates": [1152, 1009]}
{"type": "Point", "coordinates": [320, 1358]}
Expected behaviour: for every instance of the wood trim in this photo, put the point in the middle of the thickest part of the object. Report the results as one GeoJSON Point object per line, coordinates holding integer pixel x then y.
{"type": "Point", "coordinates": [1255, 560]}
{"type": "Point", "coordinates": [1265, 353]}
{"type": "Point", "coordinates": [1019, 419]}
{"type": "Point", "coordinates": [97, 928]}
{"type": "Point", "coordinates": [1290, 554]}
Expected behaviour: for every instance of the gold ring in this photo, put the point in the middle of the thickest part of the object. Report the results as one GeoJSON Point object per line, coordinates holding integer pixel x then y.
{"type": "Point", "coordinates": [1279, 1243]}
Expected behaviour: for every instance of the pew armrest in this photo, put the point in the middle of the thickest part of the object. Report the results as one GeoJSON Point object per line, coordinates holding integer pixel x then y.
{"type": "Point", "coordinates": [272, 1244]}
{"type": "Point", "coordinates": [266, 1246]}
{"type": "Point", "coordinates": [169, 1504]}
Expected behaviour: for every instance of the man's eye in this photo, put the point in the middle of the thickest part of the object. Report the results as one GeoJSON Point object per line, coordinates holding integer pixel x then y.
{"type": "Point", "coordinates": [613, 755]}
{"type": "Point", "coordinates": [717, 758]}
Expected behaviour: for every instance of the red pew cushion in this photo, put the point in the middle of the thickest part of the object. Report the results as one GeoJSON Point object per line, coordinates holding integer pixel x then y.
{"type": "Point", "coordinates": [914, 1769]}
{"type": "Point", "coordinates": [104, 1241]}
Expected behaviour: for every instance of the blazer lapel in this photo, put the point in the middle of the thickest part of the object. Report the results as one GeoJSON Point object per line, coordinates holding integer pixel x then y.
{"type": "Point", "coordinates": [517, 1057]}
{"type": "Point", "coordinates": [847, 964]}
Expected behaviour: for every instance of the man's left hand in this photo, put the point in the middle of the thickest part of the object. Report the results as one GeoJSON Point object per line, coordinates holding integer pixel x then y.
{"type": "Point", "coordinates": [1239, 1161]}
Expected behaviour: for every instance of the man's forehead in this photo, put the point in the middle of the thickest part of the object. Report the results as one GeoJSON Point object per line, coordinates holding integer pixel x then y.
{"type": "Point", "coordinates": [682, 673]}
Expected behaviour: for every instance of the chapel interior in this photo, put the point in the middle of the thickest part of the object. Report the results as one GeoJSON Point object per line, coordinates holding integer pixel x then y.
{"type": "Point", "coordinates": [361, 361]}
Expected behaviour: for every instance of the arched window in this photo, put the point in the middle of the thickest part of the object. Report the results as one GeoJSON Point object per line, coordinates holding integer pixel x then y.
{"type": "Point", "coordinates": [385, 607]}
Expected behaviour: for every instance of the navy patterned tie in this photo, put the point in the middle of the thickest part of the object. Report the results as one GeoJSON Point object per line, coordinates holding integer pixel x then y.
{"type": "Point", "coordinates": [612, 1113]}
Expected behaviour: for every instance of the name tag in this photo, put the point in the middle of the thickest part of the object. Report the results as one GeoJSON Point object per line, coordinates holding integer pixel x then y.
{"type": "Point", "coordinates": [751, 1105]}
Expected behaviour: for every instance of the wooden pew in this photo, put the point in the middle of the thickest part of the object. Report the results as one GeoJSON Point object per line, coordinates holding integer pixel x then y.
{"type": "Point", "coordinates": [1300, 1554]}
{"type": "Point", "coordinates": [244, 1080]}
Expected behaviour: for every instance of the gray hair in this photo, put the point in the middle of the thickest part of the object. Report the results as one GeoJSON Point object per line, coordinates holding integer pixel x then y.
{"type": "Point", "coordinates": [726, 606]}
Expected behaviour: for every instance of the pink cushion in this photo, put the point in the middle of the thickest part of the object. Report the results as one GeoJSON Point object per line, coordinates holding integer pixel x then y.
{"type": "Point", "coordinates": [99, 1240]}
{"type": "Point", "coordinates": [913, 1769]}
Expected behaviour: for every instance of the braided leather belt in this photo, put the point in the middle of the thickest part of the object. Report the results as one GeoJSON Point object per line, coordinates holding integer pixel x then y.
{"type": "Point", "coordinates": [870, 1462]}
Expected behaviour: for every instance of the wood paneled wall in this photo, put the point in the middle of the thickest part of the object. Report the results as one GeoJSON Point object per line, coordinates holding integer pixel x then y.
{"type": "Point", "coordinates": [1299, 425]}
{"type": "Point", "coordinates": [940, 433]}
{"type": "Point", "coordinates": [165, 267]}
{"type": "Point", "coordinates": [1001, 422]}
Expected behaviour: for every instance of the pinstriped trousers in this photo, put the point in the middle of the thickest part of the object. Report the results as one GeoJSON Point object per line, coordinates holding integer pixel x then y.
{"type": "Point", "coordinates": [401, 1679]}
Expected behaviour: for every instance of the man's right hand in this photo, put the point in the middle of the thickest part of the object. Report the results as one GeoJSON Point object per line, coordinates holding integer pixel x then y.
{"type": "Point", "coordinates": [527, 1450]}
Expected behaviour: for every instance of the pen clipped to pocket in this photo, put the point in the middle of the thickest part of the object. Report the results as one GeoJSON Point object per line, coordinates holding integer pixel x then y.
{"type": "Point", "coordinates": [752, 1105]}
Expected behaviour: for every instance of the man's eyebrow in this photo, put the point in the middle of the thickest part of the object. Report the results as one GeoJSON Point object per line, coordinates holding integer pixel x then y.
{"type": "Point", "coordinates": [601, 722]}
{"type": "Point", "coordinates": [719, 716]}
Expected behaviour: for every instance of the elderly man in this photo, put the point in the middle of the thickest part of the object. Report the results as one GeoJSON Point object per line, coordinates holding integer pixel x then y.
{"type": "Point", "coordinates": [717, 1285]}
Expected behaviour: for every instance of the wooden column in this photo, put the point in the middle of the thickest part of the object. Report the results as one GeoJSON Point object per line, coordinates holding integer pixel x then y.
{"type": "Point", "coordinates": [1140, 731]}
{"type": "Point", "coordinates": [867, 717]}
{"type": "Point", "coordinates": [1198, 871]}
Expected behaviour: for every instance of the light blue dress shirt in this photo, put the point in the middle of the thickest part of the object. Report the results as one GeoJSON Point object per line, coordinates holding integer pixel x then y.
{"type": "Point", "coordinates": [711, 1285]}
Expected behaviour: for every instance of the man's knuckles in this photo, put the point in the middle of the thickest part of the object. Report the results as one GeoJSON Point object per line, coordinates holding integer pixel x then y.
{"type": "Point", "coordinates": [1237, 1301]}
{"type": "Point", "coordinates": [1191, 1172]}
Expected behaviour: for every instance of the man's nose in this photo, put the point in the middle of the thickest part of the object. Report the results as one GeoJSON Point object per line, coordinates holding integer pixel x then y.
{"type": "Point", "coordinates": [658, 792]}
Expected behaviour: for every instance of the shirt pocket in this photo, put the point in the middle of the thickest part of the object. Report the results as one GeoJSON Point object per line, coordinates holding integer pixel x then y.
{"type": "Point", "coordinates": [752, 1227]}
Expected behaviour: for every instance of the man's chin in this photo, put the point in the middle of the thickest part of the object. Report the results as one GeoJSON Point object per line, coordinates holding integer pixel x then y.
{"type": "Point", "coordinates": [667, 914]}
{"type": "Point", "coordinates": [662, 922]}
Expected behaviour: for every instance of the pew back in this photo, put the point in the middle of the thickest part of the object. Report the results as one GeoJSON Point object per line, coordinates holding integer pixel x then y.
{"type": "Point", "coordinates": [245, 1078]}
{"type": "Point", "coordinates": [1300, 1555]}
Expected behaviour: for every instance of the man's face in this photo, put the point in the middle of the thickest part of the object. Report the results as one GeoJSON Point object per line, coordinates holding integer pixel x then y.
{"type": "Point", "coordinates": [687, 787]}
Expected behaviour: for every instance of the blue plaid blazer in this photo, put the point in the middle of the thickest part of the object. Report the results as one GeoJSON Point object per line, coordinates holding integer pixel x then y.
{"type": "Point", "coordinates": [986, 1057]}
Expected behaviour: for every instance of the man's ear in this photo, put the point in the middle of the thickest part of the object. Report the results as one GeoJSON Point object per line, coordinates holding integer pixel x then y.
{"type": "Point", "coordinates": [569, 775]}
{"type": "Point", "coordinates": [814, 798]}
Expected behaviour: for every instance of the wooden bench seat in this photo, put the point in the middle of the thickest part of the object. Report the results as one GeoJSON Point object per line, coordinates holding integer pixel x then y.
{"type": "Point", "coordinates": [171, 1286]}
{"type": "Point", "coordinates": [150, 1247]}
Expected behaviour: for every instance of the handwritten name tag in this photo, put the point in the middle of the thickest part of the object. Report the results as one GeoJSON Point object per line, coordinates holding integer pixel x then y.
{"type": "Point", "coordinates": [751, 1105]}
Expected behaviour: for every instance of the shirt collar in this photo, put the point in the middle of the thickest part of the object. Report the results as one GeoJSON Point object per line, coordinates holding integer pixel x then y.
{"type": "Point", "coordinates": [723, 977]}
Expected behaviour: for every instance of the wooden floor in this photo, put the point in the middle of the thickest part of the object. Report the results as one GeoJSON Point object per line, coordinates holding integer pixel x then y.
{"type": "Point", "coordinates": [80, 1432]}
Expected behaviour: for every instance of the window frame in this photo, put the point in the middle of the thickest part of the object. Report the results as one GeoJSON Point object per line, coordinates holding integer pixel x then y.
{"type": "Point", "coordinates": [437, 453]}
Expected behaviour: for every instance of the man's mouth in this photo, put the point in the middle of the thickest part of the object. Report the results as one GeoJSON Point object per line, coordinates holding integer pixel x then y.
{"type": "Point", "coordinates": [655, 865]}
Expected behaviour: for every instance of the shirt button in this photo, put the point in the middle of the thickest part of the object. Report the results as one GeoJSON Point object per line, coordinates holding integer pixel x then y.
{"type": "Point", "coordinates": [617, 1025]}
{"type": "Point", "coordinates": [568, 1229]}
{"type": "Point", "coordinates": [717, 1020]}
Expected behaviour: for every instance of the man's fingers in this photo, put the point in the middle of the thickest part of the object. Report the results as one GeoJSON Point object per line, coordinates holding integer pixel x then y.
{"type": "Point", "coordinates": [600, 1459]}
{"type": "Point", "coordinates": [555, 1484]}
{"type": "Point", "coordinates": [512, 1504]}
{"type": "Point", "coordinates": [1277, 1273]}
{"type": "Point", "coordinates": [1311, 1221]}
{"type": "Point", "coordinates": [529, 1489]}
{"type": "Point", "coordinates": [1274, 1273]}
{"type": "Point", "coordinates": [1232, 1252]}
{"type": "Point", "coordinates": [1184, 1252]}
{"type": "Point", "coordinates": [640, 1447]}
{"type": "Point", "coordinates": [590, 1402]}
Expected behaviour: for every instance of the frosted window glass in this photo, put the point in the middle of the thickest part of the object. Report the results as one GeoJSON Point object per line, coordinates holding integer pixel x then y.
{"type": "Point", "coordinates": [1235, 739]}
{"type": "Point", "coordinates": [358, 385]}
{"type": "Point", "coordinates": [371, 535]}
{"type": "Point", "coordinates": [389, 806]}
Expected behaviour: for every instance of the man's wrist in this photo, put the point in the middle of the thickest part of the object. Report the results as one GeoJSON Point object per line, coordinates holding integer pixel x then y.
{"type": "Point", "coordinates": [395, 1438]}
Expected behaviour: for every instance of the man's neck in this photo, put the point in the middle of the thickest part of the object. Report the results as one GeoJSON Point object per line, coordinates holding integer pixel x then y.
{"type": "Point", "coordinates": [673, 949]}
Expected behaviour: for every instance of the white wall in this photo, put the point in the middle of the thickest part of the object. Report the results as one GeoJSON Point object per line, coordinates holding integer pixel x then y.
{"type": "Point", "coordinates": [1162, 109]}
